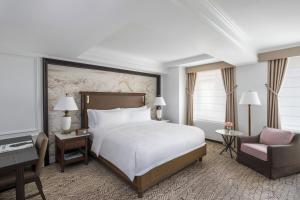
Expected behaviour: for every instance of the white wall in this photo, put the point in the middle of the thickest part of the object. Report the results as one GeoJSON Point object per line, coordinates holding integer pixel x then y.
{"type": "Point", "coordinates": [174, 84]}
{"type": "Point", "coordinates": [209, 129]}
{"type": "Point", "coordinates": [21, 95]}
{"type": "Point", "coordinates": [252, 77]}
{"type": "Point", "coordinates": [182, 96]}
{"type": "Point", "coordinates": [171, 94]}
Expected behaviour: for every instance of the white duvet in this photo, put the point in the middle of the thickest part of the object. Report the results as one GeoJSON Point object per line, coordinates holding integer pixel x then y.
{"type": "Point", "coordinates": [136, 148]}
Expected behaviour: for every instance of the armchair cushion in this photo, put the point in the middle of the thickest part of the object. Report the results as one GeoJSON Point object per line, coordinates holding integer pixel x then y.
{"type": "Point", "coordinates": [257, 150]}
{"type": "Point", "coordinates": [271, 136]}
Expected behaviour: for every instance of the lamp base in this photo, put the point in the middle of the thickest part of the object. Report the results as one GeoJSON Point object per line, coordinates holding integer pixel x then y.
{"type": "Point", "coordinates": [158, 113]}
{"type": "Point", "coordinates": [66, 124]}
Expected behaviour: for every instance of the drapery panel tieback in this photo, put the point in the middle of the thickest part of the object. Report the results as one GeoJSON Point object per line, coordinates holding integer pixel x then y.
{"type": "Point", "coordinates": [231, 91]}
{"type": "Point", "coordinates": [271, 90]}
{"type": "Point", "coordinates": [189, 92]}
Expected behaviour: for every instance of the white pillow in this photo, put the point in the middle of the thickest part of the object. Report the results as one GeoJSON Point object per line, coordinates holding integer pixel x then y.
{"type": "Point", "coordinates": [138, 108]}
{"type": "Point", "coordinates": [92, 116]}
{"type": "Point", "coordinates": [113, 118]}
{"type": "Point", "coordinates": [139, 115]}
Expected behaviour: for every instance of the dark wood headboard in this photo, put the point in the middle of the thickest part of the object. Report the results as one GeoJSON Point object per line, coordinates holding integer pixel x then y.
{"type": "Point", "coordinates": [108, 100]}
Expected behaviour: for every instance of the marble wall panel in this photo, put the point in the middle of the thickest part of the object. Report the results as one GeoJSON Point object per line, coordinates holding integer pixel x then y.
{"type": "Point", "coordinates": [72, 80]}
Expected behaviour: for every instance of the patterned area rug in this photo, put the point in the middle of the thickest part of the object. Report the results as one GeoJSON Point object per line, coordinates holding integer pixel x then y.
{"type": "Point", "coordinates": [216, 177]}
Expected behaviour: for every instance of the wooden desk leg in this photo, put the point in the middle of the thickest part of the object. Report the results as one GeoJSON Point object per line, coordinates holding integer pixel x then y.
{"type": "Point", "coordinates": [20, 192]}
{"type": "Point", "coordinates": [86, 151]}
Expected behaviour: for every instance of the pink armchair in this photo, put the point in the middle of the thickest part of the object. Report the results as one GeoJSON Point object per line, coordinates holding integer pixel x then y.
{"type": "Point", "coordinates": [274, 153]}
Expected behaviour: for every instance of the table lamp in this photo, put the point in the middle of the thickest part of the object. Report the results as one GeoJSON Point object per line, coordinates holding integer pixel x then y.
{"type": "Point", "coordinates": [249, 98]}
{"type": "Point", "coordinates": [159, 102]}
{"type": "Point", "coordinates": [66, 104]}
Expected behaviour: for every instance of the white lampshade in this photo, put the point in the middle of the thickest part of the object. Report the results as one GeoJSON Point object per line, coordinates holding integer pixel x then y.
{"type": "Point", "coordinates": [250, 98]}
{"type": "Point", "coordinates": [159, 101]}
{"type": "Point", "coordinates": [66, 103]}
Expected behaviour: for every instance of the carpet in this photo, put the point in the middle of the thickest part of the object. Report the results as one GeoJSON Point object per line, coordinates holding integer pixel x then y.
{"type": "Point", "coordinates": [216, 177]}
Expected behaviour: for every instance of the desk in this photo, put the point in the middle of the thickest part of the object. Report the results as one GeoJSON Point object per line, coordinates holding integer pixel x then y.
{"type": "Point", "coordinates": [17, 160]}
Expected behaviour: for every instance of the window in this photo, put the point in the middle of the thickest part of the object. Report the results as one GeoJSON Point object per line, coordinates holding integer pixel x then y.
{"type": "Point", "coordinates": [289, 96]}
{"type": "Point", "coordinates": [209, 97]}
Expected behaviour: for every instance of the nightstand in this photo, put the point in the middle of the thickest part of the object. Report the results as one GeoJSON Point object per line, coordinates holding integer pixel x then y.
{"type": "Point", "coordinates": [71, 148]}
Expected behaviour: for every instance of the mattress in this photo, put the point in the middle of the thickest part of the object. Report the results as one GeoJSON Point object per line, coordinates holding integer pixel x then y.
{"type": "Point", "coordinates": [136, 148]}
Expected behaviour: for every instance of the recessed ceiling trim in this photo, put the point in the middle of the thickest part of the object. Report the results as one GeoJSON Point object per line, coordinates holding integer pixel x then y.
{"type": "Point", "coordinates": [121, 60]}
{"type": "Point", "coordinates": [186, 61]}
{"type": "Point", "coordinates": [216, 18]}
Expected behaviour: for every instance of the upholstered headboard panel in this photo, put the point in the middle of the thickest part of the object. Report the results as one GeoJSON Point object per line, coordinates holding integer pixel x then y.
{"type": "Point", "coordinates": [108, 100]}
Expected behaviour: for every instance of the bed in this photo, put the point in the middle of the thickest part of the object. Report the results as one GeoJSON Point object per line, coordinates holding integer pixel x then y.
{"type": "Point", "coordinates": [141, 153]}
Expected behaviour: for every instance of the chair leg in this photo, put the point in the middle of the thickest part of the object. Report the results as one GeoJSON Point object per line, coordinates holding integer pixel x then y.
{"type": "Point", "coordinates": [40, 187]}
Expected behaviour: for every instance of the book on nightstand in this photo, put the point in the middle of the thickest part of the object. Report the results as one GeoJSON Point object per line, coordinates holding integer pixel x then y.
{"type": "Point", "coordinates": [72, 155]}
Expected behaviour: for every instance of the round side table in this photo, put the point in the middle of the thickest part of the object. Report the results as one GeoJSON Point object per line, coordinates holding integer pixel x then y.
{"type": "Point", "coordinates": [229, 138]}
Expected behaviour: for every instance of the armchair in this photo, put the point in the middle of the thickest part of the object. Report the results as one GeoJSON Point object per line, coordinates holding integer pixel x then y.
{"type": "Point", "coordinates": [271, 160]}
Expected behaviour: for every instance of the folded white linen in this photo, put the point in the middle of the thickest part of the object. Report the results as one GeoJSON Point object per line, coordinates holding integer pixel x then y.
{"type": "Point", "coordinates": [136, 148]}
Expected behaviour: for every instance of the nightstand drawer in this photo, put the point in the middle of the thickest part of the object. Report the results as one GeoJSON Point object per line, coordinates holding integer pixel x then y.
{"type": "Point", "coordinates": [75, 143]}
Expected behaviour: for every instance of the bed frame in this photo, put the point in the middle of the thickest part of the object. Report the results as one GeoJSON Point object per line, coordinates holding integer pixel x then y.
{"type": "Point", "coordinates": [109, 100]}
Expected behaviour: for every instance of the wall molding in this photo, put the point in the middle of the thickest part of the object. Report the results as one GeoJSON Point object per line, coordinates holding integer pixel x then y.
{"type": "Point", "coordinates": [19, 131]}
{"type": "Point", "coordinates": [37, 101]}
{"type": "Point", "coordinates": [219, 20]}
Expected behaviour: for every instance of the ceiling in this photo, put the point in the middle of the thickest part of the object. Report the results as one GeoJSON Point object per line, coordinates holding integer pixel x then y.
{"type": "Point", "coordinates": [149, 35]}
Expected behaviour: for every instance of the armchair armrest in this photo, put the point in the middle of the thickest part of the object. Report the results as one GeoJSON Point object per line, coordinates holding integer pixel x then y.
{"type": "Point", "coordinates": [247, 139]}
{"type": "Point", "coordinates": [285, 155]}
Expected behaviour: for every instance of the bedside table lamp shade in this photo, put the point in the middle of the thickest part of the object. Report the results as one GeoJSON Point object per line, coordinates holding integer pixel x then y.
{"type": "Point", "coordinates": [159, 101]}
{"type": "Point", "coordinates": [66, 104]}
{"type": "Point", "coordinates": [249, 98]}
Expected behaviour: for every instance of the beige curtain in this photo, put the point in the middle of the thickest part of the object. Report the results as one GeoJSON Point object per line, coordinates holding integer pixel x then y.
{"type": "Point", "coordinates": [228, 75]}
{"type": "Point", "coordinates": [191, 81]}
{"type": "Point", "coordinates": [276, 72]}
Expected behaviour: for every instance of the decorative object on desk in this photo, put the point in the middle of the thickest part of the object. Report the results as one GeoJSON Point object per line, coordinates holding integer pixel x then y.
{"type": "Point", "coordinates": [249, 98]}
{"type": "Point", "coordinates": [228, 125]}
{"type": "Point", "coordinates": [159, 102]}
{"type": "Point", "coordinates": [16, 146]}
{"type": "Point", "coordinates": [66, 104]}
{"type": "Point", "coordinates": [81, 131]}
